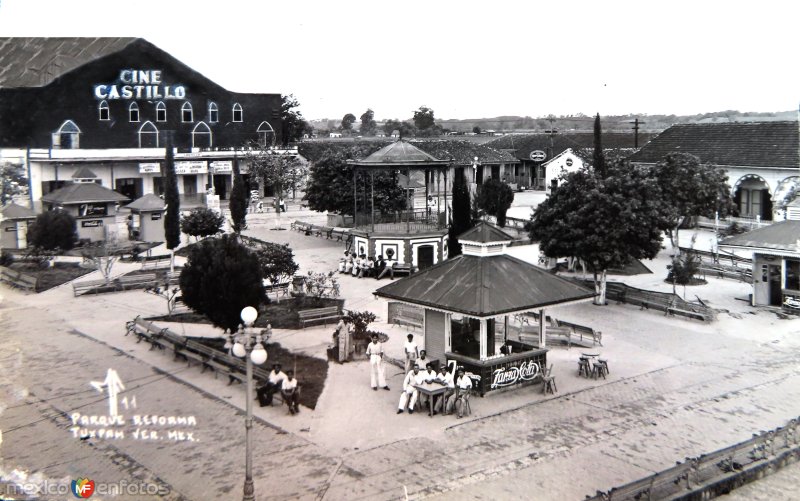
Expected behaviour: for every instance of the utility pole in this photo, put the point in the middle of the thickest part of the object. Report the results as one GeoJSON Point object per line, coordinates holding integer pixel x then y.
{"type": "Point", "coordinates": [635, 128]}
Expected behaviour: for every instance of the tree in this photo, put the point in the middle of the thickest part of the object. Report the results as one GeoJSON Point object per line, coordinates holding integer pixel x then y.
{"type": "Point", "coordinates": [105, 254]}
{"type": "Point", "coordinates": [495, 198]}
{"type": "Point", "coordinates": [368, 125]}
{"type": "Point", "coordinates": [604, 222]}
{"type": "Point", "coordinates": [238, 202]}
{"type": "Point", "coordinates": [276, 260]}
{"type": "Point", "coordinates": [13, 178]}
{"type": "Point", "coordinates": [322, 284]}
{"type": "Point", "coordinates": [53, 230]}
{"type": "Point", "coordinates": [691, 189]}
{"type": "Point", "coordinates": [423, 118]}
{"type": "Point", "coordinates": [172, 217]}
{"type": "Point", "coordinates": [599, 159]}
{"type": "Point", "coordinates": [476, 130]}
{"type": "Point", "coordinates": [202, 222]}
{"type": "Point", "coordinates": [461, 218]}
{"type": "Point", "coordinates": [347, 122]}
{"type": "Point", "coordinates": [280, 170]}
{"type": "Point", "coordinates": [292, 122]}
{"type": "Point", "coordinates": [222, 276]}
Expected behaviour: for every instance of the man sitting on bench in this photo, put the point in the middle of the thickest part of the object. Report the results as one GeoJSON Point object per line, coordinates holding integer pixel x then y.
{"type": "Point", "coordinates": [290, 392]}
{"type": "Point", "coordinates": [272, 386]}
{"type": "Point", "coordinates": [388, 268]}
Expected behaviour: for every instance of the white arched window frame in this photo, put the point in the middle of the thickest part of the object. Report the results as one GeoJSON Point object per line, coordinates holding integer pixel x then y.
{"type": "Point", "coordinates": [213, 113]}
{"type": "Point", "coordinates": [103, 111]}
{"type": "Point", "coordinates": [237, 112]}
{"type": "Point", "coordinates": [202, 131]}
{"type": "Point", "coordinates": [67, 136]}
{"type": "Point", "coordinates": [161, 112]}
{"type": "Point", "coordinates": [266, 134]}
{"type": "Point", "coordinates": [133, 112]}
{"type": "Point", "coordinates": [186, 112]}
{"type": "Point", "coordinates": [147, 132]}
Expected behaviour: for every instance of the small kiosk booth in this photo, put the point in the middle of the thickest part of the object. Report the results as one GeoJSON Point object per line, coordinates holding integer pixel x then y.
{"type": "Point", "coordinates": [468, 302]}
{"type": "Point", "coordinates": [412, 236]}
{"type": "Point", "coordinates": [148, 218]}
{"type": "Point", "coordinates": [91, 204]}
{"type": "Point", "coordinates": [14, 221]}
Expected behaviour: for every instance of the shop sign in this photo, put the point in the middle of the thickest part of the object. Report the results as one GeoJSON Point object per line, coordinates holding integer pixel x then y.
{"type": "Point", "coordinates": [94, 223]}
{"type": "Point", "coordinates": [155, 216]}
{"type": "Point", "coordinates": [569, 162]}
{"type": "Point", "coordinates": [139, 84]}
{"type": "Point", "coordinates": [538, 155]}
{"type": "Point", "coordinates": [192, 167]}
{"type": "Point", "coordinates": [506, 376]}
{"type": "Point", "coordinates": [150, 168]}
{"type": "Point", "coordinates": [221, 166]}
{"type": "Point", "coordinates": [11, 228]}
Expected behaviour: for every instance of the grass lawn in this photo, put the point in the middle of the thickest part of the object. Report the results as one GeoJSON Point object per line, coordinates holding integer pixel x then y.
{"type": "Point", "coordinates": [54, 276]}
{"type": "Point", "coordinates": [310, 372]}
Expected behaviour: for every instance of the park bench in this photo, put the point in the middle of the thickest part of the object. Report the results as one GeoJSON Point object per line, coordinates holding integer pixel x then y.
{"type": "Point", "coordinates": [338, 233]}
{"type": "Point", "coordinates": [403, 269]}
{"type": "Point", "coordinates": [673, 309]}
{"type": "Point", "coordinates": [155, 262]}
{"type": "Point", "coordinates": [280, 290]}
{"type": "Point", "coordinates": [136, 281]}
{"type": "Point", "coordinates": [95, 286]}
{"type": "Point", "coordinates": [18, 279]}
{"type": "Point", "coordinates": [319, 314]}
{"type": "Point", "coordinates": [407, 315]}
{"type": "Point", "coordinates": [301, 227]}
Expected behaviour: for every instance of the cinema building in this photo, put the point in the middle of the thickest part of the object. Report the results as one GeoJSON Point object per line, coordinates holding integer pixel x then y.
{"type": "Point", "coordinates": [111, 105]}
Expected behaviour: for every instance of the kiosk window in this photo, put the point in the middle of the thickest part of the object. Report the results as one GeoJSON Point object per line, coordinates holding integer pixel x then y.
{"type": "Point", "coordinates": [793, 274]}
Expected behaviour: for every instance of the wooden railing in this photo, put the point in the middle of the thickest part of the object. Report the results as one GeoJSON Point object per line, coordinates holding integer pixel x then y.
{"type": "Point", "coordinates": [18, 279]}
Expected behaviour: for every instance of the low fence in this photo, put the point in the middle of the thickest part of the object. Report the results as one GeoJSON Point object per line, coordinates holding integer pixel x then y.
{"type": "Point", "coordinates": [723, 264]}
{"type": "Point", "coordinates": [19, 279]}
{"type": "Point", "coordinates": [719, 472]}
{"type": "Point", "coordinates": [751, 223]}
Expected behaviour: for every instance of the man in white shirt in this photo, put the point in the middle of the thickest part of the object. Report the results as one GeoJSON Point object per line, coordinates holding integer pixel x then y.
{"type": "Point", "coordinates": [446, 379]}
{"type": "Point", "coordinates": [375, 354]}
{"type": "Point", "coordinates": [412, 352]}
{"type": "Point", "coordinates": [412, 378]}
{"type": "Point", "coordinates": [388, 269]}
{"type": "Point", "coordinates": [290, 392]}
{"type": "Point", "coordinates": [463, 385]}
{"type": "Point", "coordinates": [272, 386]}
{"type": "Point", "coordinates": [422, 360]}
{"type": "Point", "coordinates": [428, 376]}
{"type": "Point", "coordinates": [357, 262]}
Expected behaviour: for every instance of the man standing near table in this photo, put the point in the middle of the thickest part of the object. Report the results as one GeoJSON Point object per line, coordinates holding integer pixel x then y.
{"type": "Point", "coordinates": [412, 352]}
{"type": "Point", "coordinates": [463, 385]}
{"type": "Point", "coordinates": [414, 377]}
{"type": "Point", "coordinates": [375, 354]}
{"type": "Point", "coordinates": [422, 360]}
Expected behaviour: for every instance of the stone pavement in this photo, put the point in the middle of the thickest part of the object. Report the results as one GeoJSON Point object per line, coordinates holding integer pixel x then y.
{"type": "Point", "coordinates": [677, 388]}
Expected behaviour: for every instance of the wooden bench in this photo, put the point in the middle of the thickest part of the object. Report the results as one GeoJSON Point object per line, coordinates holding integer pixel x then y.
{"type": "Point", "coordinates": [135, 281]}
{"type": "Point", "coordinates": [95, 286]}
{"type": "Point", "coordinates": [18, 279]}
{"type": "Point", "coordinates": [339, 234]}
{"type": "Point", "coordinates": [671, 310]}
{"type": "Point", "coordinates": [409, 317]}
{"type": "Point", "coordinates": [317, 314]}
{"type": "Point", "coordinates": [156, 262]}
{"type": "Point", "coordinates": [280, 290]}
{"type": "Point", "coordinates": [403, 269]}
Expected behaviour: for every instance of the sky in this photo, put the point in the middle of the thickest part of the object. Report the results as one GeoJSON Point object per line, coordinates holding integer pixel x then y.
{"type": "Point", "coordinates": [464, 59]}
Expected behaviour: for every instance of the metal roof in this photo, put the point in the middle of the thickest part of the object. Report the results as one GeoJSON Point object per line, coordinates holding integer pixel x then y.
{"type": "Point", "coordinates": [484, 286]}
{"type": "Point", "coordinates": [399, 153]}
{"type": "Point", "coordinates": [14, 211]}
{"type": "Point", "coordinates": [780, 236]}
{"type": "Point", "coordinates": [485, 232]}
{"type": "Point", "coordinates": [78, 193]}
{"type": "Point", "coordinates": [147, 203]}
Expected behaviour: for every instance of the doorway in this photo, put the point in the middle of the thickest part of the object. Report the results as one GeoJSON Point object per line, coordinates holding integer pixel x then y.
{"type": "Point", "coordinates": [425, 256]}
{"type": "Point", "coordinates": [221, 185]}
{"type": "Point", "coordinates": [775, 290]}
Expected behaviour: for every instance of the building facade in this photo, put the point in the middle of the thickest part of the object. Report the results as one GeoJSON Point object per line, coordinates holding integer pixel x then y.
{"type": "Point", "coordinates": [113, 104]}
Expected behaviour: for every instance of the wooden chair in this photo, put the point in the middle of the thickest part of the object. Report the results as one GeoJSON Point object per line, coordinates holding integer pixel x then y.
{"type": "Point", "coordinates": [549, 382]}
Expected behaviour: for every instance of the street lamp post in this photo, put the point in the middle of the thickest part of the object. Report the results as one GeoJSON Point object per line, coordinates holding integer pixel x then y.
{"type": "Point", "coordinates": [249, 346]}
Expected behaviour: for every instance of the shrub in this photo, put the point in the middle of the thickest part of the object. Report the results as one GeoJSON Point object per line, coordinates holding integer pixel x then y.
{"type": "Point", "coordinates": [360, 321]}
{"type": "Point", "coordinates": [53, 230]}
{"type": "Point", "coordinates": [322, 284]}
{"type": "Point", "coordinates": [6, 258]}
{"type": "Point", "coordinates": [202, 222]}
{"type": "Point", "coordinates": [277, 261]}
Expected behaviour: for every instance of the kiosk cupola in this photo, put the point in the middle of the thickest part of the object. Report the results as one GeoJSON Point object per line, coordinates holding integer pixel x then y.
{"type": "Point", "coordinates": [485, 239]}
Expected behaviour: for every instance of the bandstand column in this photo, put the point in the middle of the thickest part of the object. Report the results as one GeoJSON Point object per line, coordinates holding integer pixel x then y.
{"type": "Point", "coordinates": [542, 329]}
{"type": "Point", "coordinates": [483, 341]}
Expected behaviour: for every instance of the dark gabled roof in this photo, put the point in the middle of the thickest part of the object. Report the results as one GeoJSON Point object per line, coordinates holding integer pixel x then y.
{"type": "Point", "coordinates": [14, 211]}
{"type": "Point", "coordinates": [35, 62]}
{"type": "Point", "coordinates": [80, 193]}
{"type": "Point", "coordinates": [84, 173]}
{"type": "Point", "coordinates": [463, 152]}
{"type": "Point", "coordinates": [401, 153]}
{"type": "Point", "coordinates": [484, 286]}
{"type": "Point", "coordinates": [780, 236]}
{"type": "Point", "coordinates": [752, 144]}
{"type": "Point", "coordinates": [485, 232]}
{"type": "Point", "coordinates": [521, 145]}
{"type": "Point", "coordinates": [149, 202]}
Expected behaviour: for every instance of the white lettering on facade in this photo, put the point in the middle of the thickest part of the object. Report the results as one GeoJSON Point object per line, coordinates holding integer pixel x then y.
{"type": "Point", "coordinates": [506, 376]}
{"type": "Point", "coordinates": [139, 84]}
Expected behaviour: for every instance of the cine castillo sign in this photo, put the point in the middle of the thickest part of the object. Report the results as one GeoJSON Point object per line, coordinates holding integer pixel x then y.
{"type": "Point", "coordinates": [139, 84]}
{"type": "Point", "coordinates": [538, 155]}
{"type": "Point", "coordinates": [506, 376]}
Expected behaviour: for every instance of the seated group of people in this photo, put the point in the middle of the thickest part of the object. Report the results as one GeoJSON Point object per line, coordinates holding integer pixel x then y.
{"type": "Point", "coordinates": [455, 396]}
{"type": "Point", "coordinates": [277, 381]}
{"type": "Point", "coordinates": [361, 266]}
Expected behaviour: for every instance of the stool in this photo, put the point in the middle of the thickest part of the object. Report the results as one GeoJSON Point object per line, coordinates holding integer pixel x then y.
{"type": "Point", "coordinates": [583, 367]}
{"type": "Point", "coordinates": [604, 363]}
{"type": "Point", "coordinates": [549, 385]}
{"type": "Point", "coordinates": [598, 370]}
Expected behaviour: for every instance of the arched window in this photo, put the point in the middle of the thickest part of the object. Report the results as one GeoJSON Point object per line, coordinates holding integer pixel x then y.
{"type": "Point", "coordinates": [133, 112]}
{"type": "Point", "coordinates": [103, 110]}
{"type": "Point", "coordinates": [186, 112]}
{"type": "Point", "coordinates": [148, 135]}
{"type": "Point", "coordinates": [201, 136]}
{"type": "Point", "coordinates": [161, 112]}
{"type": "Point", "coordinates": [237, 112]}
{"type": "Point", "coordinates": [266, 134]}
{"type": "Point", "coordinates": [213, 113]}
{"type": "Point", "coordinates": [67, 136]}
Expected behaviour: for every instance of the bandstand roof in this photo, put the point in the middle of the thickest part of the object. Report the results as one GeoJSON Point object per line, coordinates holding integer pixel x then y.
{"type": "Point", "coordinates": [484, 286]}
{"type": "Point", "coordinates": [148, 203]}
{"type": "Point", "coordinates": [398, 154]}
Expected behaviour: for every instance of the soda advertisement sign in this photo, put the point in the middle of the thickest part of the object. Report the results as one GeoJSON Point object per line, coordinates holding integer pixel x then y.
{"type": "Point", "coordinates": [506, 376]}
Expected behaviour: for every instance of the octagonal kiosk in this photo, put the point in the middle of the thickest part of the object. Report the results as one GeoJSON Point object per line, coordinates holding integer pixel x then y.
{"type": "Point", "coordinates": [468, 301]}
{"type": "Point", "coordinates": [147, 215]}
{"type": "Point", "coordinates": [14, 221]}
{"type": "Point", "coordinates": [415, 236]}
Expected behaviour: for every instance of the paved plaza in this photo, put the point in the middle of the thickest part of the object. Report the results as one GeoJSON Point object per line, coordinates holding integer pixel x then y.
{"type": "Point", "coordinates": [677, 388]}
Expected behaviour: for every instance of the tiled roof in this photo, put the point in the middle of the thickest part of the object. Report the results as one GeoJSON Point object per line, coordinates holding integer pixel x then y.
{"type": "Point", "coordinates": [463, 152]}
{"type": "Point", "coordinates": [752, 144]}
{"type": "Point", "coordinates": [14, 211]}
{"type": "Point", "coordinates": [523, 144]}
{"type": "Point", "coordinates": [149, 202]}
{"type": "Point", "coordinates": [485, 232]}
{"type": "Point", "coordinates": [484, 286]}
{"type": "Point", "coordinates": [79, 193]}
{"type": "Point", "coordinates": [84, 173]}
{"type": "Point", "coordinates": [780, 236]}
{"type": "Point", "coordinates": [398, 153]}
{"type": "Point", "coordinates": [35, 62]}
